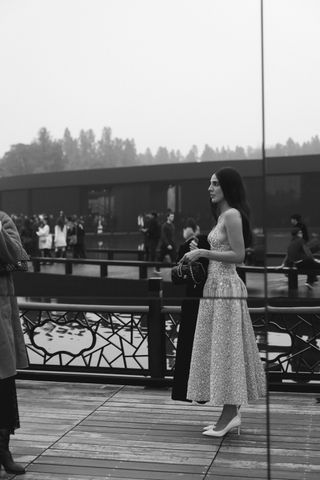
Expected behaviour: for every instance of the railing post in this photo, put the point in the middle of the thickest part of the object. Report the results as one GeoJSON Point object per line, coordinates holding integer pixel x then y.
{"type": "Point", "coordinates": [242, 274]}
{"type": "Point", "coordinates": [143, 272]}
{"type": "Point", "coordinates": [36, 265]}
{"type": "Point", "coordinates": [156, 331]}
{"type": "Point", "coordinates": [103, 269]}
{"type": "Point", "coordinates": [68, 268]}
{"type": "Point", "coordinates": [140, 255]}
{"type": "Point", "coordinates": [292, 279]}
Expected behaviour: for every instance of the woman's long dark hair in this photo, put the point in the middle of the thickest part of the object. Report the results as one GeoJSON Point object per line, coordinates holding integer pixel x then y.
{"type": "Point", "coordinates": [61, 223]}
{"type": "Point", "coordinates": [235, 194]}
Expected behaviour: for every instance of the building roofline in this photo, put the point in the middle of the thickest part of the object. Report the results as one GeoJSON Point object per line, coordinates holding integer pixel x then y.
{"type": "Point", "coordinates": [165, 172]}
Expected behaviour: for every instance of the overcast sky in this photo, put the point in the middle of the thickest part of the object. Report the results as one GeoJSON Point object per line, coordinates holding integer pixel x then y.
{"type": "Point", "coordinates": [164, 72]}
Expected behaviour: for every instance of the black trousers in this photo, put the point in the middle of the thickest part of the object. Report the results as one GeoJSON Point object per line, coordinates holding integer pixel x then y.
{"type": "Point", "coordinates": [309, 265]}
{"type": "Point", "coordinates": [9, 413]}
{"type": "Point", "coordinates": [151, 249]}
{"type": "Point", "coordinates": [164, 250]}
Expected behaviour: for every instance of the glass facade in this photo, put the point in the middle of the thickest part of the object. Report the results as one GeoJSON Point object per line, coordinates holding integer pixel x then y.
{"type": "Point", "coordinates": [101, 209]}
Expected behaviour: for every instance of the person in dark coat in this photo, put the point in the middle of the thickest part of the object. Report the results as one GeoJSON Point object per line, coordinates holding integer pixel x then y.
{"type": "Point", "coordinates": [76, 237]}
{"type": "Point", "coordinates": [167, 241]}
{"type": "Point", "coordinates": [298, 224]}
{"type": "Point", "coordinates": [152, 234]}
{"type": "Point", "coordinates": [12, 348]}
{"type": "Point", "coordinates": [299, 255]}
{"type": "Point", "coordinates": [189, 312]}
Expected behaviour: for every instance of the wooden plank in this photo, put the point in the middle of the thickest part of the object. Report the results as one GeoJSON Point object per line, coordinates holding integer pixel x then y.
{"type": "Point", "coordinates": [151, 454]}
{"type": "Point", "coordinates": [84, 431]}
{"type": "Point", "coordinates": [155, 466]}
{"type": "Point", "coordinates": [120, 472]}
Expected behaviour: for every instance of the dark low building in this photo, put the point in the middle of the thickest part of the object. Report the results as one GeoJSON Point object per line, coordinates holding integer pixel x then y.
{"type": "Point", "coordinates": [119, 195]}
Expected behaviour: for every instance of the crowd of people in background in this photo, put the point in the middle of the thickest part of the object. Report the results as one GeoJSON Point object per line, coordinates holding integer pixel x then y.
{"type": "Point", "coordinates": [44, 235]}
{"type": "Point", "coordinates": [159, 244]}
{"type": "Point", "coordinates": [48, 236]}
{"type": "Point", "coordinates": [159, 239]}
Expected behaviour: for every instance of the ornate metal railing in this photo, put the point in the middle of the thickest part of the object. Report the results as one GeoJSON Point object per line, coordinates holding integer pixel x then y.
{"type": "Point", "coordinates": [61, 337]}
{"type": "Point", "coordinates": [294, 343]}
{"type": "Point", "coordinates": [139, 342]}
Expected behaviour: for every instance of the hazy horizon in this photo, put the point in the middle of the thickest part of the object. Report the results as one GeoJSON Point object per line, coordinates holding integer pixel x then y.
{"type": "Point", "coordinates": [164, 73]}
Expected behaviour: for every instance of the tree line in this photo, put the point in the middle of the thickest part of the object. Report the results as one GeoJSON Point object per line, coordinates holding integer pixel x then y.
{"type": "Point", "coordinates": [45, 154]}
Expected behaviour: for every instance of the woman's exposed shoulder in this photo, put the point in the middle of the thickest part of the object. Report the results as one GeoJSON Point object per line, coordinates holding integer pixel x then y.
{"type": "Point", "coordinates": [232, 214]}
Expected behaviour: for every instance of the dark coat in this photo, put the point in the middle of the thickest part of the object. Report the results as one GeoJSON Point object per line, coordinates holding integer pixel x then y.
{"type": "Point", "coordinates": [12, 348]}
{"type": "Point", "coordinates": [188, 321]}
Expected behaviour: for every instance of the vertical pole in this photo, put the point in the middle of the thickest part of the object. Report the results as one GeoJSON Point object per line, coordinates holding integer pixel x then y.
{"type": "Point", "coordinates": [36, 265]}
{"type": "Point", "coordinates": [68, 267]}
{"type": "Point", "coordinates": [143, 272]}
{"type": "Point", "coordinates": [264, 169]}
{"type": "Point", "coordinates": [103, 269]}
{"type": "Point", "coordinates": [292, 279]}
{"type": "Point", "coordinates": [156, 330]}
{"type": "Point", "coordinates": [140, 255]}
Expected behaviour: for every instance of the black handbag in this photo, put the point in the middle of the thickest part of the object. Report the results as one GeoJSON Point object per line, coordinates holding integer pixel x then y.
{"type": "Point", "coordinates": [184, 273]}
{"type": "Point", "coordinates": [21, 266]}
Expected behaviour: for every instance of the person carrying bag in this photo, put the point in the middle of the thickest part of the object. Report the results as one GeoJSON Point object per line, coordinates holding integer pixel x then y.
{"type": "Point", "coordinates": [12, 348]}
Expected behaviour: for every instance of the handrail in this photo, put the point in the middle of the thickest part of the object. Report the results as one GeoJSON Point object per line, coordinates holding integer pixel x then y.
{"type": "Point", "coordinates": [82, 307]}
{"type": "Point", "coordinates": [303, 310]}
{"type": "Point", "coordinates": [145, 308]}
{"type": "Point", "coordinates": [104, 264]}
{"type": "Point", "coordinates": [291, 272]}
{"type": "Point", "coordinates": [101, 261]}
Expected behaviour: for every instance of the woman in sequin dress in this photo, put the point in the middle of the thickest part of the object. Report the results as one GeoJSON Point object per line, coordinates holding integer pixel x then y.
{"type": "Point", "coordinates": [225, 366]}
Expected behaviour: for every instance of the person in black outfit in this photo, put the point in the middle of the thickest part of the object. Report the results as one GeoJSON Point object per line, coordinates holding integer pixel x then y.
{"type": "Point", "coordinates": [28, 237]}
{"type": "Point", "coordinates": [152, 234]}
{"type": "Point", "coordinates": [189, 312]}
{"type": "Point", "coordinates": [76, 237]}
{"type": "Point", "coordinates": [79, 250]}
{"type": "Point", "coordinates": [300, 256]}
{"type": "Point", "coordinates": [167, 243]}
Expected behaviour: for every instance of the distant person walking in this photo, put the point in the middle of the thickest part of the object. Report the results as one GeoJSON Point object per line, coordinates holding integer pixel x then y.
{"type": "Point", "coordinates": [167, 243]}
{"type": "Point", "coordinates": [152, 232]}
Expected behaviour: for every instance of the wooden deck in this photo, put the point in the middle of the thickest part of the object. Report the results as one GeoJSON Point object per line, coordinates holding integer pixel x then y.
{"type": "Point", "coordinates": [94, 432]}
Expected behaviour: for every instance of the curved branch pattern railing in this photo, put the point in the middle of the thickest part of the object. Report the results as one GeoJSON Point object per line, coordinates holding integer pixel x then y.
{"type": "Point", "coordinates": [116, 339]}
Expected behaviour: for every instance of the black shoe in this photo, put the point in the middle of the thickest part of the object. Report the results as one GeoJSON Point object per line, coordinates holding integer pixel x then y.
{"type": "Point", "coordinates": [6, 459]}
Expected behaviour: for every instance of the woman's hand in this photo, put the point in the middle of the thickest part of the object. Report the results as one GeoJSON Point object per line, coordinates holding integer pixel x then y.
{"type": "Point", "coordinates": [194, 244]}
{"type": "Point", "coordinates": [191, 256]}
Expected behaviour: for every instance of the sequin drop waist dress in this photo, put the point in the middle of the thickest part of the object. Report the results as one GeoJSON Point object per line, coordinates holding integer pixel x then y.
{"type": "Point", "coordinates": [225, 365]}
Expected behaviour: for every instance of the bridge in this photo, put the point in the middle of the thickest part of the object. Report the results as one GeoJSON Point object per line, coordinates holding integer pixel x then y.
{"type": "Point", "coordinates": [91, 413]}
